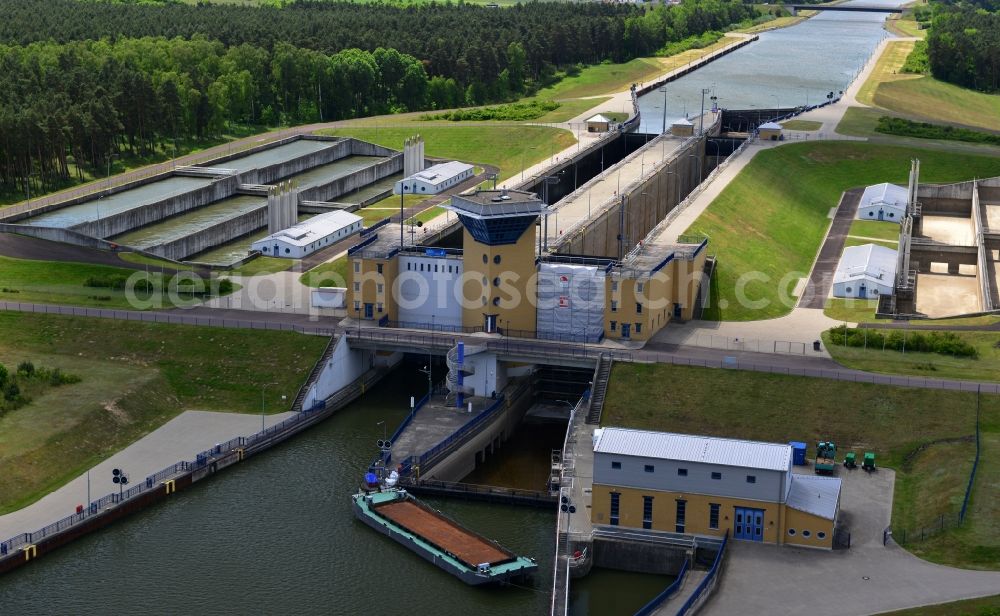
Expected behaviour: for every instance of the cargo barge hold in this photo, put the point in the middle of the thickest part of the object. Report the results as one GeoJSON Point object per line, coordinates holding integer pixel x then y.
{"type": "Point", "coordinates": [439, 539]}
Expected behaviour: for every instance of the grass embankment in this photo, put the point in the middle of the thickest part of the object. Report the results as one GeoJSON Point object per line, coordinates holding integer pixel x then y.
{"type": "Point", "coordinates": [804, 125]}
{"type": "Point", "coordinates": [83, 284]}
{"type": "Point", "coordinates": [329, 274]}
{"type": "Point", "coordinates": [767, 225]}
{"type": "Point", "coordinates": [876, 229]}
{"type": "Point", "coordinates": [906, 428]}
{"type": "Point", "coordinates": [917, 97]}
{"type": "Point", "coordinates": [134, 378]}
{"type": "Point", "coordinates": [506, 147]}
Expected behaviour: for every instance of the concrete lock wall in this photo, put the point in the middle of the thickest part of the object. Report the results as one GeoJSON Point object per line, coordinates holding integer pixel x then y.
{"type": "Point", "coordinates": [212, 236]}
{"type": "Point", "coordinates": [638, 557]}
{"type": "Point", "coordinates": [157, 211]}
{"type": "Point", "coordinates": [599, 237]}
{"type": "Point", "coordinates": [353, 181]}
{"type": "Point", "coordinates": [56, 234]}
{"type": "Point", "coordinates": [271, 174]}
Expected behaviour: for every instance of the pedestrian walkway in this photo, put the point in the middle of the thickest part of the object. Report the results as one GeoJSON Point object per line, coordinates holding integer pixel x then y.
{"type": "Point", "coordinates": [181, 438]}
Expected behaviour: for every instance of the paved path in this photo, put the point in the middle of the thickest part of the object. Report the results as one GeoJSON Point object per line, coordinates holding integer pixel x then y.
{"type": "Point", "coordinates": [32, 248]}
{"type": "Point", "coordinates": [821, 279]}
{"type": "Point", "coordinates": [181, 438]}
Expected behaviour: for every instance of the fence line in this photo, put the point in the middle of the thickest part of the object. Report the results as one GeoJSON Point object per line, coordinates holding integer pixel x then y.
{"type": "Point", "coordinates": [668, 592]}
{"type": "Point", "coordinates": [975, 463]}
{"type": "Point", "coordinates": [700, 593]}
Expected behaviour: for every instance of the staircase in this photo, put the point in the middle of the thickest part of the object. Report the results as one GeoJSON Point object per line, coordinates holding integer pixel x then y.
{"type": "Point", "coordinates": [314, 374]}
{"type": "Point", "coordinates": [454, 368]}
{"type": "Point", "coordinates": [599, 390]}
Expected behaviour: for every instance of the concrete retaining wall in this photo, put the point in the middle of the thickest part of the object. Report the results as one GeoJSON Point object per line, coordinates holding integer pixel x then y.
{"type": "Point", "coordinates": [641, 212]}
{"type": "Point", "coordinates": [638, 557]}
{"type": "Point", "coordinates": [272, 174]}
{"type": "Point", "coordinates": [157, 211]}
{"type": "Point", "coordinates": [210, 237]}
{"type": "Point", "coordinates": [353, 181]}
{"type": "Point", "coordinates": [66, 236]}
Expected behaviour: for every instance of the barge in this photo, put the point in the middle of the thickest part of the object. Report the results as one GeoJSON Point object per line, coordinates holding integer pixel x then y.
{"type": "Point", "coordinates": [440, 540]}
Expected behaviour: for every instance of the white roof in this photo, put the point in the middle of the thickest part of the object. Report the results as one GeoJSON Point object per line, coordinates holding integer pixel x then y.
{"type": "Point", "coordinates": [436, 174]}
{"type": "Point", "coordinates": [688, 448]}
{"type": "Point", "coordinates": [771, 126]}
{"type": "Point", "coordinates": [317, 227]}
{"type": "Point", "coordinates": [884, 194]}
{"type": "Point", "coordinates": [683, 122]}
{"type": "Point", "coordinates": [868, 261]}
{"type": "Point", "coordinates": [599, 118]}
{"type": "Point", "coordinates": [814, 494]}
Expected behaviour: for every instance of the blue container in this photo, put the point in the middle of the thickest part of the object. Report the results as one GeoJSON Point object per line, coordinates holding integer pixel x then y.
{"type": "Point", "coordinates": [798, 453]}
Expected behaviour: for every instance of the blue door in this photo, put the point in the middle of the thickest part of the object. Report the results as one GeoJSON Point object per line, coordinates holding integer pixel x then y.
{"type": "Point", "coordinates": [748, 524]}
{"type": "Point", "coordinates": [369, 311]}
{"type": "Point", "coordinates": [881, 214]}
{"type": "Point", "coordinates": [625, 329]}
{"type": "Point", "coordinates": [863, 291]}
{"type": "Point", "coordinates": [490, 323]}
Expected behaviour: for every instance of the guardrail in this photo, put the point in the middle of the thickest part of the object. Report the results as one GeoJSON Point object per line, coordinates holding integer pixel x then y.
{"type": "Point", "coordinates": [661, 598]}
{"type": "Point", "coordinates": [701, 593]}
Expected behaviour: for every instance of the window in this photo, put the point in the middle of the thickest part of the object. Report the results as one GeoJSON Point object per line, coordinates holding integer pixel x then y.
{"type": "Point", "coordinates": [638, 308]}
{"type": "Point", "coordinates": [614, 324]}
{"type": "Point", "coordinates": [287, 250]}
{"type": "Point", "coordinates": [378, 288]}
{"type": "Point", "coordinates": [848, 289]}
{"type": "Point", "coordinates": [265, 248]}
{"type": "Point", "coordinates": [614, 285]}
{"type": "Point", "coordinates": [409, 266]}
{"type": "Point", "coordinates": [614, 306]}
{"type": "Point", "coordinates": [751, 479]}
{"type": "Point", "coordinates": [357, 287]}
{"type": "Point", "coordinates": [682, 472]}
{"type": "Point", "coordinates": [791, 532]}
{"type": "Point", "coordinates": [496, 301]}
{"type": "Point", "coordinates": [638, 328]}
{"type": "Point", "coordinates": [357, 267]}
{"type": "Point", "coordinates": [638, 287]}
{"type": "Point", "coordinates": [496, 259]}
{"type": "Point", "coordinates": [716, 475]}
{"type": "Point", "coordinates": [648, 468]}
{"type": "Point", "coordinates": [380, 306]}
{"type": "Point", "coordinates": [806, 534]}
{"type": "Point", "coordinates": [449, 269]}
{"type": "Point", "coordinates": [821, 535]}
{"type": "Point", "coordinates": [681, 513]}
{"type": "Point", "coordinates": [357, 305]}
{"type": "Point", "coordinates": [891, 215]}
{"type": "Point", "coordinates": [616, 465]}
{"type": "Point", "coordinates": [614, 508]}
{"type": "Point", "coordinates": [647, 512]}
{"type": "Point", "coordinates": [871, 213]}
{"type": "Point", "coordinates": [379, 268]}
{"type": "Point", "coordinates": [496, 281]}
{"type": "Point", "coordinates": [713, 515]}
{"type": "Point", "coordinates": [421, 267]}
{"type": "Point", "coordinates": [486, 259]}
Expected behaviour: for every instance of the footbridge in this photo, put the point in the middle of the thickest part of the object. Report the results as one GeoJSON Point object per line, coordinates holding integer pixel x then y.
{"type": "Point", "coordinates": [851, 8]}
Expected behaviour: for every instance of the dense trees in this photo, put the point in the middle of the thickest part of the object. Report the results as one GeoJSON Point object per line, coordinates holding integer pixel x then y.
{"type": "Point", "coordinates": [82, 81]}
{"type": "Point", "coordinates": [963, 44]}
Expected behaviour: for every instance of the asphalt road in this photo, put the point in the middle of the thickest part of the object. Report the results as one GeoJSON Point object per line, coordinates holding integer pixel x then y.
{"type": "Point", "coordinates": [821, 278]}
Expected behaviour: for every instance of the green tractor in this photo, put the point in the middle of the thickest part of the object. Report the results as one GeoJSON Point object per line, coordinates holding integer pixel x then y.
{"type": "Point", "coordinates": [826, 457]}
{"type": "Point", "coordinates": [868, 464]}
{"type": "Point", "coordinates": [850, 460]}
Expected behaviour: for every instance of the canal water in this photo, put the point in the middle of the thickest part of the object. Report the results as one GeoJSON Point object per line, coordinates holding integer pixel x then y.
{"type": "Point", "coordinates": [177, 227]}
{"type": "Point", "coordinates": [280, 154]}
{"type": "Point", "coordinates": [787, 67]}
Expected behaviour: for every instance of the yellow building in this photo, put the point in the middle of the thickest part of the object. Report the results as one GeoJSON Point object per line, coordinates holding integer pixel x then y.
{"type": "Point", "coordinates": [770, 131]}
{"type": "Point", "coordinates": [705, 486]}
{"type": "Point", "coordinates": [501, 281]}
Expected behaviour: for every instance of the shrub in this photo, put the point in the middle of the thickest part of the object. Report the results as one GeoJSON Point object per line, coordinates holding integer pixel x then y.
{"type": "Point", "coordinates": [925, 130]}
{"type": "Point", "coordinates": [11, 392]}
{"type": "Point", "coordinates": [917, 62]}
{"type": "Point", "coordinates": [225, 286]}
{"type": "Point", "coordinates": [3, 375]}
{"type": "Point", "coordinates": [942, 343]}
{"type": "Point", "coordinates": [106, 282]}
{"type": "Point", "coordinates": [510, 112]}
{"type": "Point", "coordinates": [26, 369]}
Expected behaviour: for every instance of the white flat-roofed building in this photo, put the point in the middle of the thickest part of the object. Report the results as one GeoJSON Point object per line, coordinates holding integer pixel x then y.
{"type": "Point", "coordinates": [865, 272]}
{"type": "Point", "coordinates": [310, 235]}
{"type": "Point", "coordinates": [435, 179]}
{"type": "Point", "coordinates": [705, 485]}
{"type": "Point", "coordinates": [883, 202]}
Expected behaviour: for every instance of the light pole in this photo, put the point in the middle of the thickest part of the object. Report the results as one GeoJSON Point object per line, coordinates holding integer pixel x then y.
{"type": "Point", "coordinates": [664, 90]}
{"type": "Point", "coordinates": [777, 101]}
{"type": "Point", "coordinates": [698, 160]}
{"type": "Point", "coordinates": [534, 147]}
{"type": "Point", "coordinates": [701, 120]}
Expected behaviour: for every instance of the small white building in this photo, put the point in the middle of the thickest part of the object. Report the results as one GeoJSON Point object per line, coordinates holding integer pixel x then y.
{"type": "Point", "coordinates": [310, 235]}
{"type": "Point", "coordinates": [434, 179]}
{"type": "Point", "coordinates": [682, 128]}
{"type": "Point", "coordinates": [865, 272]}
{"type": "Point", "coordinates": [883, 202]}
{"type": "Point", "coordinates": [770, 131]}
{"type": "Point", "coordinates": [598, 123]}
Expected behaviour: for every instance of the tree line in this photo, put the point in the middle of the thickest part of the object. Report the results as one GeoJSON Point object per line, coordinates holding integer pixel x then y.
{"type": "Point", "coordinates": [83, 81]}
{"type": "Point", "coordinates": [963, 43]}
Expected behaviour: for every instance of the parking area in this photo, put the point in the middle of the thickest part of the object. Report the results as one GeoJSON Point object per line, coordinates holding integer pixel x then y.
{"type": "Point", "coordinates": [865, 579]}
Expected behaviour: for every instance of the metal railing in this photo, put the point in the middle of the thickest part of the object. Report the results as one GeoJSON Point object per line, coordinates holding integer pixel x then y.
{"type": "Point", "coordinates": [670, 591]}
{"type": "Point", "coordinates": [701, 593]}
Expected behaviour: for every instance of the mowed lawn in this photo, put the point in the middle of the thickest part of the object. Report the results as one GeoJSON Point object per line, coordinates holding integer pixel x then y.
{"type": "Point", "coordinates": [876, 229]}
{"type": "Point", "coordinates": [925, 435]}
{"type": "Point", "coordinates": [987, 606]}
{"type": "Point", "coordinates": [505, 146]}
{"type": "Point", "coordinates": [765, 228]}
{"type": "Point", "coordinates": [135, 377]}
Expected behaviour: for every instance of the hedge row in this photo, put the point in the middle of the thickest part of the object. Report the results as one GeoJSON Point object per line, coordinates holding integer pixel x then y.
{"type": "Point", "coordinates": [942, 343]}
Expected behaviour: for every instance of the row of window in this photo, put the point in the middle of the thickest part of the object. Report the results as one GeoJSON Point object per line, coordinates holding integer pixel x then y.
{"type": "Point", "coordinates": [357, 306]}
{"type": "Point", "coordinates": [614, 307]}
{"type": "Point", "coordinates": [680, 513]}
{"type": "Point", "coordinates": [806, 534]}
{"type": "Point", "coordinates": [378, 287]}
{"type": "Point", "coordinates": [614, 286]}
{"type": "Point", "coordinates": [681, 472]}
{"type": "Point", "coordinates": [412, 267]}
{"type": "Point", "coordinates": [636, 327]}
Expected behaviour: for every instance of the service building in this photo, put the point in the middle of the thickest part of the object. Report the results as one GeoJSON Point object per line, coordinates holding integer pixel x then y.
{"type": "Point", "coordinates": [308, 236]}
{"type": "Point", "coordinates": [702, 485]}
{"type": "Point", "coordinates": [865, 272]}
{"type": "Point", "coordinates": [435, 179]}
{"type": "Point", "coordinates": [883, 202]}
